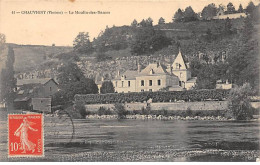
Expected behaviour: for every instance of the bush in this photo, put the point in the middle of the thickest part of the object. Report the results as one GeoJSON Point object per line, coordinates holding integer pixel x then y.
{"type": "Point", "coordinates": [104, 111]}
{"type": "Point", "coordinates": [239, 104]}
{"type": "Point", "coordinates": [160, 96]}
{"type": "Point", "coordinates": [82, 110]}
{"type": "Point", "coordinates": [120, 110]}
{"type": "Point", "coordinates": [146, 111]}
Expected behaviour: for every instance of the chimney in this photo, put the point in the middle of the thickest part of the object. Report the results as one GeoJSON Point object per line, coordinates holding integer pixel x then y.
{"type": "Point", "coordinates": [139, 68]}
{"type": "Point", "coordinates": [102, 78]}
{"type": "Point", "coordinates": [118, 73]}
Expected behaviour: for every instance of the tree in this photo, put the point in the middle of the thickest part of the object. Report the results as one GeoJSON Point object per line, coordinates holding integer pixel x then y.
{"type": "Point", "coordinates": [189, 15]}
{"type": "Point", "coordinates": [149, 22]}
{"type": "Point", "coordinates": [240, 9]}
{"type": "Point", "coordinates": [82, 43]}
{"type": "Point", "coordinates": [250, 8]}
{"type": "Point", "coordinates": [8, 82]}
{"type": "Point", "coordinates": [134, 23]}
{"type": "Point", "coordinates": [161, 21]}
{"type": "Point", "coordinates": [178, 16]}
{"type": "Point", "coordinates": [230, 8]}
{"type": "Point", "coordinates": [239, 104]}
{"type": "Point", "coordinates": [228, 27]}
{"type": "Point", "coordinates": [209, 12]}
{"type": "Point", "coordinates": [107, 87]}
{"type": "Point", "coordinates": [72, 81]}
{"type": "Point", "coordinates": [148, 40]}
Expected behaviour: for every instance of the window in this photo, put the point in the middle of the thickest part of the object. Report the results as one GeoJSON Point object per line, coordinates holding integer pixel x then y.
{"type": "Point", "coordinates": [177, 65]}
{"type": "Point", "coordinates": [122, 83]}
{"type": "Point", "coordinates": [180, 75]}
{"type": "Point", "coordinates": [142, 90]}
{"type": "Point", "coordinates": [150, 82]}
{"type": "Point", "coordinates": [50, 88]}
{"type": "Point", "coordinates": [150, 90]}
{"type": "Point", "coordinates": [179, 83]}
{"type": "Point", "coordinates": [142, 82]}
{"type": "Point", "coordinates": [116, 83]}
{"type": "Point", "coordinates": [159, 82]}
{"type": "Point", "coordinates": [129, 83]}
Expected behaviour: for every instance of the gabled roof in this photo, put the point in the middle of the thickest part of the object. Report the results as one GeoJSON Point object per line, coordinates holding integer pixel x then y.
{"type": "Point", "coordinates": [129, 75]}
{"type": "Point", "coordinates": [41, 81]}
{"type": "Point", "coordinates": [180, 61]}
{"type": "Point", "coordinates": [155, 69]}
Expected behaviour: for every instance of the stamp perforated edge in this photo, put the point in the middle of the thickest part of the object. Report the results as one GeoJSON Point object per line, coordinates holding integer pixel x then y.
{"type": "Point", "coordinates": [26, 156]}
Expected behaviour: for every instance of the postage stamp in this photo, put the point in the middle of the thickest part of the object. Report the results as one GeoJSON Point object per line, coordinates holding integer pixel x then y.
{"type": "Point", "coordinates": [25, 135]}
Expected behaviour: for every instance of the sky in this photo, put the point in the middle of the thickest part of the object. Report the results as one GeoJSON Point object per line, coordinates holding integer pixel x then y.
{"type": "Point", "coordinates": [61, 29]}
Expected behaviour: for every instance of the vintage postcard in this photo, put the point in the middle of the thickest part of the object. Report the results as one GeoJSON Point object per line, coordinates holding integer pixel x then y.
{"type": "Point", "coordinates": [129, 81]}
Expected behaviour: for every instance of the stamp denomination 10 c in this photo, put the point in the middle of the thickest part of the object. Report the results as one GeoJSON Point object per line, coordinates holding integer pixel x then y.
{"type": "Point", "coordinates": [25, 135]}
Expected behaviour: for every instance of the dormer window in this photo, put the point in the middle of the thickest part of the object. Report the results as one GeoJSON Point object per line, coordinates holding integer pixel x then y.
{"type": "Point", "coordinates": [151, 71]}
{"type": "Point", "coordinates": [178, 66]}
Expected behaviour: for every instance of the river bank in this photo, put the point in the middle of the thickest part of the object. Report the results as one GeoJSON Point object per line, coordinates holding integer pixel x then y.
{"type": "Point", "coordinates": [159, 117]}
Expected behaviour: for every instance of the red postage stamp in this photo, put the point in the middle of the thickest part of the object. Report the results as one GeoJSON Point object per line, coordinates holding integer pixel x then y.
{"type": "Point", "coordinates": [25, 135]}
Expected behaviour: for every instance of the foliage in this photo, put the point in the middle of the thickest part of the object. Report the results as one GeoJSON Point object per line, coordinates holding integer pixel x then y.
{"type": "Point", "coordinates": [161, 21]}
{"type": "Point", "coordinates": [8, 82]}
{"type": "Point", "coordinates": [148, 40]}
{"type": "Point", "coordinates": [72, 81]}
{"type": "Point", "coordinates": [80, 108]}
{"type": "Point", "coordinates": [82, 43]}
{"type": "Point", "coordinates": [102, 57]}
{"type": "Point", "coordinates": [104, 111]}
{"type": "Point", "coordinates": [107, 87]}
{"type": "Point", "coordinates": [189, 95]}
{"type": "Point", "coordinates": [134, 23]}
{"type": "Point", "coordinates": [178, 16]}
{"type": "Point", "coordinates": [240, 9]}
{"type": "Point", "coordinates": [230, 8]}
{"type": "Point", "coordinates": [209, 12]}
{"type": "Point", "coordinates": [239, 103]}
{"type": "Point", "coordinates": [2, 40]}
{"type": "Point", "coordinates": [120, 110]}
{"type": "Point", "coordinates": [189, 15]}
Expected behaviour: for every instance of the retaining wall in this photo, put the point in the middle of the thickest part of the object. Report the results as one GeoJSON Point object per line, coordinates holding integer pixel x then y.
{"type": "Point", "coordinates": [206, 105]}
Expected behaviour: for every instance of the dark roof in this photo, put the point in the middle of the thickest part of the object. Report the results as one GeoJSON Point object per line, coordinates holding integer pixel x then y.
{"type": "Point", "coordinates": [34, 81]}
{"type": "Point", "coordinates": [129, 75]}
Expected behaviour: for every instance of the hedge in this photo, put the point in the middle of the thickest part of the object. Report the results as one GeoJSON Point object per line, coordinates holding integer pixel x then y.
{"type": "Point", "coordinates": [170, 96]}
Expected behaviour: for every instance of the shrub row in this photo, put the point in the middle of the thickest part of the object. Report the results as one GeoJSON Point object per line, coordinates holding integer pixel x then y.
{"type": "Point", "coordinates": [170, 96]}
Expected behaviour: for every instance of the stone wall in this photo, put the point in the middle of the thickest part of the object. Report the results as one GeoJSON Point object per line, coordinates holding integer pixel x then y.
{"type": "Point", "coordinates": [171, 106]}
{"type": "Point", "coordinates": [207, 105]}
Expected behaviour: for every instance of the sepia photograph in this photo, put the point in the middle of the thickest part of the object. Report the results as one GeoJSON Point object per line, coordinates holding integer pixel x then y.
{"type": "Point", "coordinates": [129, 81]}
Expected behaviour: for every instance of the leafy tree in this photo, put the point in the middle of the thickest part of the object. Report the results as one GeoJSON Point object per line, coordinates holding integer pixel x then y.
{"type": "Point", "coordinates": [189, 15]}
{"type": "Point", "coordinates": [72, 81]}
{"type": "Point", "coordinates": [134, 23]}
{"type": "Point", "coordinates": [148, 40]}
{"type": "Point", "coordinates": [120, 110]}
{"type": "Point", "coordinates": [82, 43]}
{"type": "Point", "coordinates": [209, 12]}
{"type": "Point", "coordinates": [250, 8]}
{"type": "Point", "coordinates": [240, 9]}
{"type": "Point", "coordinates": [107, 87]}
{"type": "Point", "coordinates": [149, 22]}
{"type": "Point", "coordinates": [228, 27]}
{"type": "Point", "coordinates": [178, 16]}
{"type": "Point", "coordinates": [230, 8]}
{"type": "Point", "coordinates": [206, 78]}
{"type": "Point", "coordinates": [239, 104]}
{"type": "Point", "coordinates": [161, 21]}
{"type": "Point", "coordinates": [8, 82]}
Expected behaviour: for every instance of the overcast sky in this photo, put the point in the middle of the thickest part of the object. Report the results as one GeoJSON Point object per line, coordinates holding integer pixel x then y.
{"type": "Point", "coordinates": [62, 29]}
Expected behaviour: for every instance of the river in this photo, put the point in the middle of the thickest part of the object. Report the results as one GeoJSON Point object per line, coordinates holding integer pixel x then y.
{"type": "Point", "coordinates": [144, 140]}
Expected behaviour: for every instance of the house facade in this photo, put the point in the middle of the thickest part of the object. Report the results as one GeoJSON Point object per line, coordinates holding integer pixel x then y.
{"type": "Point", "coordinates": [155, 77]}
{"type": "Point", "coordinates": [27, 89]}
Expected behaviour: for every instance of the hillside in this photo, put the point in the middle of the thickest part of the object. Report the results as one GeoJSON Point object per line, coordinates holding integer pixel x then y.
{"type": "Point", "coordinates": [29, 57]}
